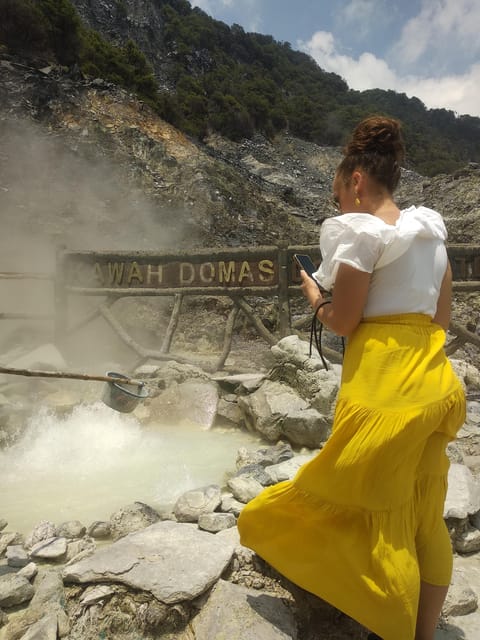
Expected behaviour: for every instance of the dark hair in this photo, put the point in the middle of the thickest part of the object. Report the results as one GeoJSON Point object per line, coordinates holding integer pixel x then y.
{"type": "Point", "coordinates": [377, 147]}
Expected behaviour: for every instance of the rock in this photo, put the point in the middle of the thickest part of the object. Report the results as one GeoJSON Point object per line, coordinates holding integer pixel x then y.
{"type": "Point", "coordinates": [463, 496]}
{"type": "Point", "coordinates": [48, 588]}
{"type": "Point", "coordinates": [193, 402]}
{"type": "Point", "coordinates": [215, 522]}
{"type": "Point", "coordinates": [44, 629]}
{"type": "Point", "coordinates": [50, 549]}
{"type": "Point", "coordinates": [42, 531]}
{"type": "Point", "coordinates": [468, 541]}
{"type": "Point", "coordinates": [231, 505]}
{"type": "Point", "coordinates": [228, 412]}
{"type": "Point", "coordinates": [277, 411]}
{"type": "Point", "coordinates": [97, 593]}
{"type": "Point", "coordinates": [17, 556]}
{"type": "Point", "coordinates": [473, 463]}
{"type": "Point", "coordinates": [288, 469]}
{"type": "Point", "coordinates": [29, 571]}
{"type": "Point", "coordinates": [172, 373]}
{"type": "Point", "coordinates": [265, 456]}
{"type": "Point", "coordinates": [467, 373]}
{"type": "Point", "coordinates": [251, 616]}
{"type": "Point", "coordinates": [293, 350]}
{"type": "Point", "coordinates": [99, 530]}
{"type": "Point", "coordinates": [460, 599]}
{"type": "Point", "coordinates": [475, 520]}
{"type": "Point", "coordinates": [454, 453]}
{"type": "Point", "coordinates": [45, 611]}
{"type": "Point", "coordinates": [84, 546]}
{"type": "Point", "coordinates": [14, 590]}
{"type": "Point", "coordinates": [3, 524]}
{"type": "Point", "coordinates": [173, 561]}
{"type": "Point", "coordinates": [7, 538]}
{"type": "Point", "coordinates": [132, 518]}
{"type": "Point", "coordinates": [244, 488]}
{"type": "Point", "coordinates": [71, 529]}
{"type": "Point", "coordinates": [257, 472]}
{"type": "Point", "coordinates": [241, 382]}
{"type": "Point", "coordinates": [191, 504]}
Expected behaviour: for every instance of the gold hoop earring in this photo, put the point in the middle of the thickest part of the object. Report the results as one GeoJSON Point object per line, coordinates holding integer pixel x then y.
{"type": "Point", "coordinates": [357, 201]}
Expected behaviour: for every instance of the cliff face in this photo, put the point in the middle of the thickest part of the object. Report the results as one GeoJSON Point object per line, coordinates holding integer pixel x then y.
{"type": "Point", "coordinates": [139, 20]}
{"type": "Point", "coordinates": [83, 156]}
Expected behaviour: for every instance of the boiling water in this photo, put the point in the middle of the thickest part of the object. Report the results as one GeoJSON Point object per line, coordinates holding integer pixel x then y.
{"type": "Point", "coordinates": [89, 464]}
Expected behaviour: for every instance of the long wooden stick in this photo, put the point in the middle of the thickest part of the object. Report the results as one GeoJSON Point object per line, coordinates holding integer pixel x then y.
{"type": "Point", "coordinates": [64, 374]}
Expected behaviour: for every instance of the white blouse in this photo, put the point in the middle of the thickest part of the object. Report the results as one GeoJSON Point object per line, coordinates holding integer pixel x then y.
{"type": "Point", "coordinates": [407, 260]}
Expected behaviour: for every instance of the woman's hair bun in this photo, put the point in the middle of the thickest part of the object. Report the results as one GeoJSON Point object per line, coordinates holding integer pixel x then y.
{"type": "Point", "coordinates": [377, 135]}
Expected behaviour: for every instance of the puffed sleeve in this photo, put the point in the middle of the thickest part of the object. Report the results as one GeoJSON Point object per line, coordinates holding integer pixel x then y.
{"type": "Point", "coordinates": [354, 239]}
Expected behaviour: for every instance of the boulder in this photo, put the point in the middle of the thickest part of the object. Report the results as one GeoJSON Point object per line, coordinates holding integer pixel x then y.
{"type": "Point", "coordinates": [244, 488]}
{"type": "Point", "coordinates": [17, 556]}
{"type": "Point", "coordinates": [463, 496]}
{"type": "Point", "coordinates": [14, 590]}
{"type": "Point", "coordinates": [265, 456]}
{"type": "Point", "coordinates": [288, 469]}
{"type": "Point", "coordinates": [172, 561]}
{"type": "Point", "coordinates": [132, 518]}
{"type": "Point", "coordinates": [71, 529]}
{"type": "Point", "coordinates": [42, 531]}
{"type": "Point", "coordinates": [50, 549]}
{"type": "Point", "coordinates": [193, 402]}
{"type": "Point", "coordinates": [277, 412]}
{"type": "Point", "coordinates": [192, 504]}
{"type": "Point", "coordinates": [461, 599]}
{"type": "Point", "coordinates": [215, 522]}
{"type": "Point", "coordinates": [231, 505]}
{"type": "Point", "coordinates": [100, 529]}
{"type": "Point", "coordinates": [251, 615]}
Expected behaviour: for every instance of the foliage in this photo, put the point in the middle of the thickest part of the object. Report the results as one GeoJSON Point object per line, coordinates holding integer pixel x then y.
{"type": "Point", "coordinates": [23, 28]}
{"type": "Point", "coordinates": [235, 83]}
{"type": "Point", "coordinates": [53, 29]}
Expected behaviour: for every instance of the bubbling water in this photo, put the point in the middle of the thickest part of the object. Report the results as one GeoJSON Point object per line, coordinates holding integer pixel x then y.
{"type": "Point", "coordinates": [90, 463]}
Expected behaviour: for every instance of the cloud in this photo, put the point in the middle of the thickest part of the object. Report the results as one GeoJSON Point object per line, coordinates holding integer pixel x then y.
{"type": "Point", "coordinates": [363, 18]}
{"type": "Point", "coordinates": [443, 32]}
{"type": "Point", "coordinates": [458, 92]}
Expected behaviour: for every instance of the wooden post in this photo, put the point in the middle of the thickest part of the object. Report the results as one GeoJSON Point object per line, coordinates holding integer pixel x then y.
{"type": "Point", "coordinates": [172, 325]}
{"type": "Point", "coordinates": [283, 299]}
{"type": "Point", "coordinates": [60, 296]}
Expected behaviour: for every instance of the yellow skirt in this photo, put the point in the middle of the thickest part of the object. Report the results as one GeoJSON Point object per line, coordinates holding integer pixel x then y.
{"type": "Point", "coordinates": [362, 523]}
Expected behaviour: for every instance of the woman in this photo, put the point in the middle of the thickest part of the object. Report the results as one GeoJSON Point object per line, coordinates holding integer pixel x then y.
{"type": "Point", "coordinates": [361, 525]}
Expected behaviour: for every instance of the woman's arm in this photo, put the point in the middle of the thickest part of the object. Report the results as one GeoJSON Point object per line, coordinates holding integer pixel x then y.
{"type": "Point", "coordinates": [349, 297]}
{"type": "Point", "coordinates": [444, 303]}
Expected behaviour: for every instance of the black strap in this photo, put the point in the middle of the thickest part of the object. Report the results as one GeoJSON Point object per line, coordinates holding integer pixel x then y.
{"type": "Point", "coordinates": [316, 333]}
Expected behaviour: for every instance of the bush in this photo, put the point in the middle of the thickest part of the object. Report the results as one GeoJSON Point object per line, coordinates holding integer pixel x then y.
{"type": "Point", "coordinates": [23, 28]}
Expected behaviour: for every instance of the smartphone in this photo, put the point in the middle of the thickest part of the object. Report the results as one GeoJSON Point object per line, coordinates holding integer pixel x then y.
{"type": "Point", "coordinates": [305, 263]}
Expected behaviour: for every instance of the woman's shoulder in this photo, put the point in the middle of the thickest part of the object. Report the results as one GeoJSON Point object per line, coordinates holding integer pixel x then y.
{"type": "Point", "coordinates": [422, 221]}
{"type": "Point", "coordinates": [353, 224]}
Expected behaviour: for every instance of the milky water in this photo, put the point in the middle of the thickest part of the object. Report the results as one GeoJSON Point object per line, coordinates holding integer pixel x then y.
{"type": "Point", "coordinates": [89, 464]}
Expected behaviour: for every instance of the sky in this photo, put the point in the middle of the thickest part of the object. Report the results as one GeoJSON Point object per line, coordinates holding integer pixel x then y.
{"type": "Point", "coordinates": [429, 49]}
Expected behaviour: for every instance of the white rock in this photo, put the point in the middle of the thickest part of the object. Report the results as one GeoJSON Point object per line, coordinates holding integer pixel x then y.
{"type": "Point", "coordinates": [463, 496]}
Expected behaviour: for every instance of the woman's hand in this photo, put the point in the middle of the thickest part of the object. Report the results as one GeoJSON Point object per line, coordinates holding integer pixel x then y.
{"type": "Point", "coordinates": [349, 297]}
{"type": "Point", "coordinates": [310, 290]}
